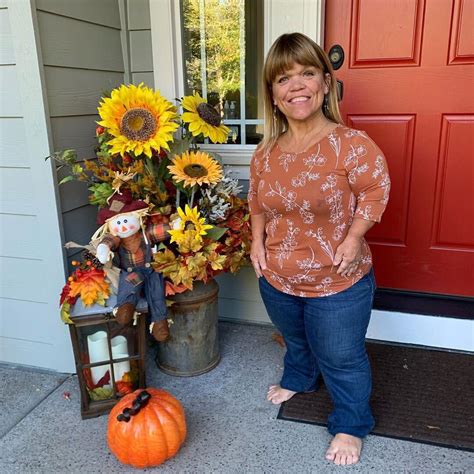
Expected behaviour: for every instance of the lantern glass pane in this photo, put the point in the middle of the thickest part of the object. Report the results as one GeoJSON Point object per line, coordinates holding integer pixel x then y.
{"type": "Point", "coordinates": [95, 342]}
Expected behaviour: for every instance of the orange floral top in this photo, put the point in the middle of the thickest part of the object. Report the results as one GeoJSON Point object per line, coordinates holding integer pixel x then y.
{"type": "Point", "coordinates": [309, 200]}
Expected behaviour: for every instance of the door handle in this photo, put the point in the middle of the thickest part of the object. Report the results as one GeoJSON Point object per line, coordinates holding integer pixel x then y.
{"type": "Point", "coordinates": [336, 57]}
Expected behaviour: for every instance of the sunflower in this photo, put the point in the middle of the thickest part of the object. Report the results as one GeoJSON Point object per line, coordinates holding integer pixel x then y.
{"type": "Point", "coordinates": [139, 119]}
{"type": "Point", "coordinates": [191, 228]}
{"type": "Point", "coordinates": [195, 167]}
{"type": "Point", "coordinates": [203, 118]}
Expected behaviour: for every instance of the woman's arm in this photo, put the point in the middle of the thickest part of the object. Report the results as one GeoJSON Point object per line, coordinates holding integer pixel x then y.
{"type": "Point", "coordinates": [348, 253]}
{"type": "Point", "coordinates": [257, 251]}
{"type": "Point", "coordinates": [369, 180]}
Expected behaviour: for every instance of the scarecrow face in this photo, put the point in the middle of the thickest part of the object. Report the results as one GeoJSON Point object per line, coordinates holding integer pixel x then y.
{"type": "Point", "coordinates": [125, 225]}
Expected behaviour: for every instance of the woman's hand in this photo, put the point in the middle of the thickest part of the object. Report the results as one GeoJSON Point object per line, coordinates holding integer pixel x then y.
{"type": "Point", "coordinates": [258, 257]}
{"type": "Point", "coordinates": [348, 255]}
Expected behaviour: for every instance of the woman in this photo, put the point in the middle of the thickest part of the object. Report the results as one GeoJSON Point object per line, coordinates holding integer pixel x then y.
{"type": "Point", "coordinates": [316, 188]}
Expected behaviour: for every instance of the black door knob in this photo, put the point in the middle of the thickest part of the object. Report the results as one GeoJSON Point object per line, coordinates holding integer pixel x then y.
{"type": "Point", "coordinates": [336, 56]}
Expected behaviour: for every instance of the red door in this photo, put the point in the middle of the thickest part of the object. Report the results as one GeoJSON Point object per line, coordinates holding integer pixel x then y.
{"type": "Point", "coordinates": [409, 82]}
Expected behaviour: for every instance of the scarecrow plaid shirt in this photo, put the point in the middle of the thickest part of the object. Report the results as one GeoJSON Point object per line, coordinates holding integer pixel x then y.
{"type": "Point", "coordinates": [132, 249]}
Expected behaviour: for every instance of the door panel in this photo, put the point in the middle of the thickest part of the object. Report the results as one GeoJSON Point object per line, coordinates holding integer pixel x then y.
{"type": "Point", "coordinates": [454, 202]}
{"type": "Point", "coordinates": [461, 48]}
{"type": "Point", "coordinates": [382, 37]}
{"type": "Point", "coordinates": [408, 82]}
{"type": "Point", "coordinates": [397, 134]}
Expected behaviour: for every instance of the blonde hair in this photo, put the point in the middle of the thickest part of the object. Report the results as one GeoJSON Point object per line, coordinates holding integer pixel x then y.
{"type": "Point", "coordinates": [288, 49]}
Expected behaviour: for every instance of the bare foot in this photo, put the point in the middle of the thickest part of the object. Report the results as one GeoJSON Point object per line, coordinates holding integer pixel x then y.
{"type": "Point", "coordinates": [278, 395]}
{"type": "Point", "coordinates": [344, 449]}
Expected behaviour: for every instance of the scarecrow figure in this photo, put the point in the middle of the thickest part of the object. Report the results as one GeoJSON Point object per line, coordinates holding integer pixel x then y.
{"type": "Point", "coordinates": [124, 233]}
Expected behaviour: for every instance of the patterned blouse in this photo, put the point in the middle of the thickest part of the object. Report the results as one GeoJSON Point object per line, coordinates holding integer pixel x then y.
{"type": "Point", "coordinates": [309, 200]}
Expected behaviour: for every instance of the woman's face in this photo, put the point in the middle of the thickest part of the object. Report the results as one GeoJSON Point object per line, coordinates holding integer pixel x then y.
{"type": "Point", "coordinates": [299, 92]}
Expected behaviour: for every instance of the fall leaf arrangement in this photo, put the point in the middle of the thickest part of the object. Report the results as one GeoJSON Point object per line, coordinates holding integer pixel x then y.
{"type": "Point", "coordinates": [149, 146]}
{"type": "Point", "coordinates": [88, 282]}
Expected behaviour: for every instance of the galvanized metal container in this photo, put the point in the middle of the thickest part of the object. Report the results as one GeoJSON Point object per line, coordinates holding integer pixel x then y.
{"type": "Point", "coordinates": [193, 345]}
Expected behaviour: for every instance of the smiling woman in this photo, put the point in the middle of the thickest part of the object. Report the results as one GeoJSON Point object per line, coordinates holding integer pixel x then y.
{"type": "Point", "coordinates": [316, 188]}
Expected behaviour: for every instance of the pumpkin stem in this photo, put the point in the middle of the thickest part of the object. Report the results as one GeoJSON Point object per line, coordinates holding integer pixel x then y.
{"type": "Point", "coordinates": [140, 401]}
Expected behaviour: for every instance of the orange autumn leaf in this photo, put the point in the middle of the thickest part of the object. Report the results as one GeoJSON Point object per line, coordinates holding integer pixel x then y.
{"type": "Point", "coordinates": [90, 285]}
{"type": "Point", "coordinates": [172, 289]}
{"type": "Point", "coordinates": [124, 387]}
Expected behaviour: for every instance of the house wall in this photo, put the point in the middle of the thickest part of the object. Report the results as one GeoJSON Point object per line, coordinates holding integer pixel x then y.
{"type": "Point", "coordinates": [138, 28]}
{"type": "Point", "coordinates": [88, 49]}
{"type": "Point", "coordinates": [81, 49]}
{"type": "Point", "coordinates": [31, 258]}
{"type": "Point", "coordinates": [57, 59]}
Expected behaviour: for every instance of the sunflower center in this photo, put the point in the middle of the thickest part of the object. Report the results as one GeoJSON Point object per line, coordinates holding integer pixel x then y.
{"type": "Point", "coordinates": [195, 170]}
{"type": "Point", "coordinates": [138, 124]}
{"type": "Point", "coordinates": [190, 226]}
{"type": "Point", "coordinates": [209, 114]}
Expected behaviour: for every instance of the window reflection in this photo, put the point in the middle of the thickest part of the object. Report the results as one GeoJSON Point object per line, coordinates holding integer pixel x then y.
{"type": "Point", "coordinates": [222, 60]}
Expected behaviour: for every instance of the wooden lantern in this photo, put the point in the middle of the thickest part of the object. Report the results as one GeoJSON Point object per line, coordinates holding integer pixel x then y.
{"type": "Point", "coordinates": [110, 358]}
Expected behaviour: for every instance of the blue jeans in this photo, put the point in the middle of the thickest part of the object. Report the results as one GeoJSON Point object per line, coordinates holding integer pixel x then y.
{"type": "Point", "coordinates": [326, 335]}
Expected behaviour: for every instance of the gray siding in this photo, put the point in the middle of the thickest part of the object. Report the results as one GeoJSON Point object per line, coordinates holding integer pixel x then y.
{"type": "Point", "coordinates": [239, 297]}
{"type": "Point", "coordinates": [139, 42]}
{"type": "Point", "coordinates": [82, 54]}
{"type": "Point", "coordinates": [88, 49]}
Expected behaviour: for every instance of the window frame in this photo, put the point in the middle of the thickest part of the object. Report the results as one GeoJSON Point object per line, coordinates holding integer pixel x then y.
{"type": "Point", "coordinates": [307, 16]}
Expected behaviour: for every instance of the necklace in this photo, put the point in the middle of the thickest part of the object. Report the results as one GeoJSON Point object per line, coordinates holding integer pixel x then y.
{"type": "Point", "coordinates": [308, 143]}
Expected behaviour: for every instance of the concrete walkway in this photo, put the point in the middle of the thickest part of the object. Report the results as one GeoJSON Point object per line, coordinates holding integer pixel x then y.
{"type": "Point", "coordinates": [231, 427]}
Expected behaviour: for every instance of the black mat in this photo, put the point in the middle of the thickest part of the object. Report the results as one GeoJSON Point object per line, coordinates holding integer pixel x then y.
{"type": "Point", "coordinates": [418, 395]}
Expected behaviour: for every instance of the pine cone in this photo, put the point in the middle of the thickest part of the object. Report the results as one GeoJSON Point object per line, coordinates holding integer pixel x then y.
{"type": "Point", "coordinates": [86, 255]}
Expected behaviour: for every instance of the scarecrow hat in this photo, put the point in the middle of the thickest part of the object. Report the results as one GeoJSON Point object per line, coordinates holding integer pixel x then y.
{"type": "Point", "coordinates": [120, 204]}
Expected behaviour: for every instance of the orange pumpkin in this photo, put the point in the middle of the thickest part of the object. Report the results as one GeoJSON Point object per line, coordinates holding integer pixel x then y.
{"type": "Point", "coordinates": [146, 427]}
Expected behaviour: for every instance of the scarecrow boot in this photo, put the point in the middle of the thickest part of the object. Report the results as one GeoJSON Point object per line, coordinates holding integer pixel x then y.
{"type": "Point", "coordinates": [160, 330]}
{"type": "Point", "coordinates": [125, 313]}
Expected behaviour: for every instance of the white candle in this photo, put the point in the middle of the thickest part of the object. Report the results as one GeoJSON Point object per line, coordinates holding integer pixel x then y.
{"type": "Point", "coordinates": [119, 345]}
{"type": "Point", "coordinates": [119, 351]}
{"type": "Point", "coordinates": [120, 368]}
{"type": "Point", "coordinates": [98, 352]}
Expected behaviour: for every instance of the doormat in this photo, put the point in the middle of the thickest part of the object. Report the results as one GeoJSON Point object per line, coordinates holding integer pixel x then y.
{"type": "Point", "coordinates": [420, 395]}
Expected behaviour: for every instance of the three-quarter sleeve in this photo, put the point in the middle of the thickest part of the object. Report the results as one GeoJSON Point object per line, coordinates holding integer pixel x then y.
{"type": "Point", "coordinates": [254, 181]}
{"type": "Point", "coordinates": [368, 176]}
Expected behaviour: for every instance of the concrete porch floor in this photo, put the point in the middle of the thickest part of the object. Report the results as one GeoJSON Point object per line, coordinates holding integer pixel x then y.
{"type": "Point", "coordinates": [231, 427]}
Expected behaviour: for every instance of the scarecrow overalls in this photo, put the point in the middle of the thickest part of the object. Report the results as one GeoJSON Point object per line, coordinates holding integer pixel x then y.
{"type": "Point", "coordinates": [135, 258]}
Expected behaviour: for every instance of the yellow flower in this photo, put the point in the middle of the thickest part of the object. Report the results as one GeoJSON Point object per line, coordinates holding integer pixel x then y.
{"type": "Point", "coordinates": [139, 119]}
{"type": "Point", "coordinates": [190, 230]}
{"type": "Point", "coordinates": [203, 118]}
{"type": "Point", "coordinates": [195, 167]}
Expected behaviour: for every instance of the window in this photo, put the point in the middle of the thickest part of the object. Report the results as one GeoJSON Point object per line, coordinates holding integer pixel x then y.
{"type": "Point", "coordinates": [222, 51]}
